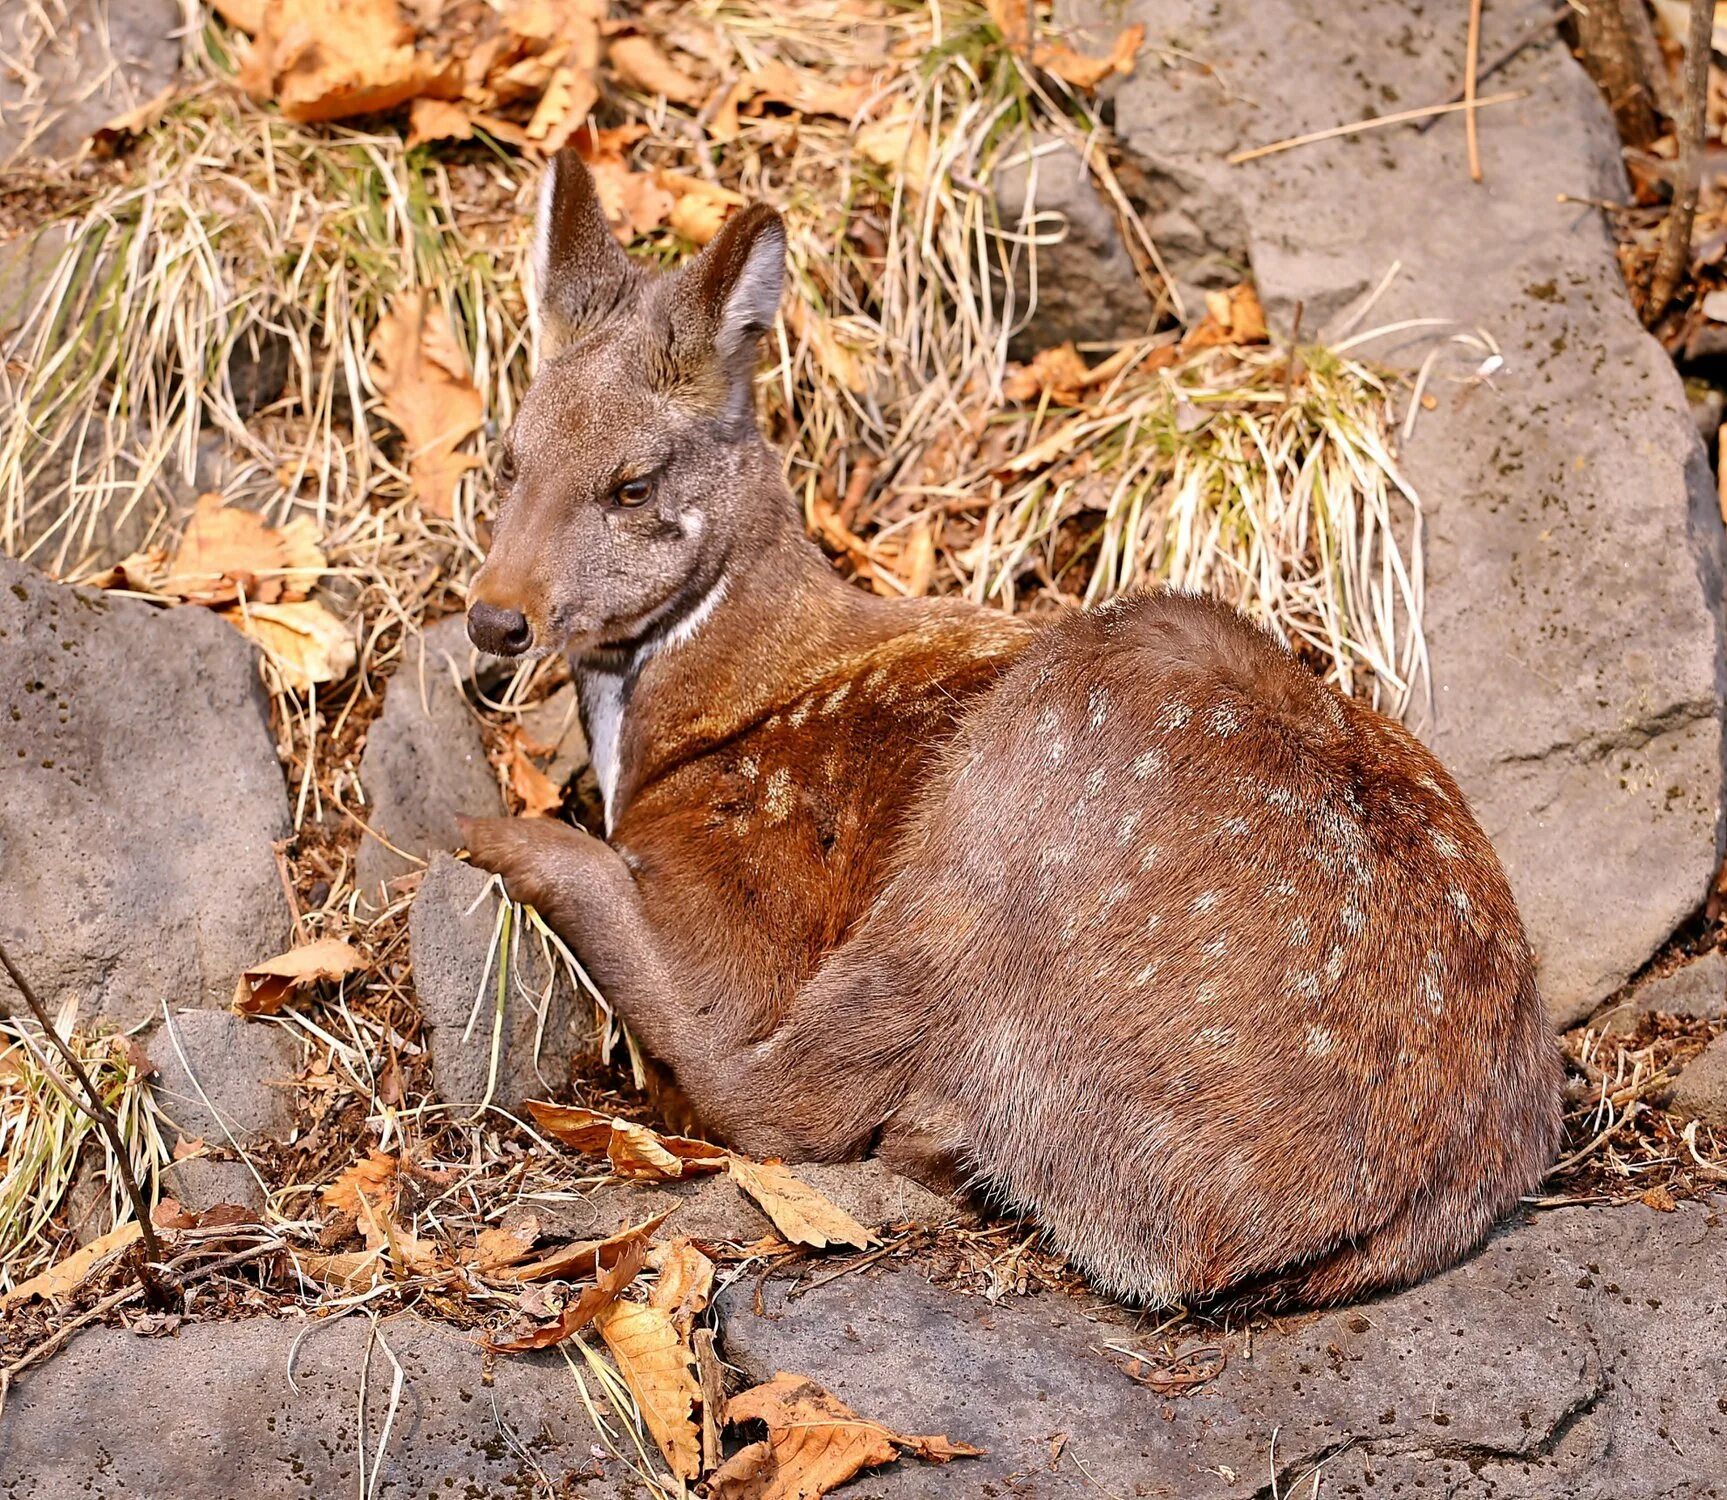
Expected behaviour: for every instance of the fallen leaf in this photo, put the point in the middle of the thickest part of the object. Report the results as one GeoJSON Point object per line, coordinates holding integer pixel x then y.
{"type": "Point", "coordinates": [1231, 317]}
{"type": "Point", "coordinates": [917, 562]}
{"type": "Point", "coordinates": [686, 1281]}
{"type": "Point", "coordinates": [422, 380]}
{"type": "Point", "coordinates": [700, 207]}
{"type": "Point", "coordinates": [246, 15]}
{"type": "Point", "coordinates": [639, 64]}
{"type": "Point", "coordinates": [134, 121]}
{"type": "Point", "coordinates": [1659, 1199]}
{"type": "Point", "coordinates": [307, 643]}
{"type": "Point", "coordinates": [633, 1150]}
{"type": "Point", "coordinates": [535, 791]}
{"type": "Point", "coordinates": [797, 1210]}
{"type": "Point", "coordinates": [815, 1443]}
{"type": "Point", "coordinates": [569, 94]}
{"type": "Point", "coordinates": [722, 110]}
{"type": "Point", "coordinates": [438, 120]}
{"type": "Point", "coordinates": [226, 552]}
{"type": "Point", "coordinates": [836, 359]}
{"type": "Point", "coordinates": [809, 92]}
{"type": "Point", "coordinates": [1013, 20]}
{"type": "Point", "coordinates": [656, 1365]}
{"type": "Point", "coordinates": [1057, 372]}
{"type": "Point", "coordinates": [900, 144]}
{"type": "Point", "coordinates": [59, 1281]}
{"type": "Point", "coordinates": [591, 1303]}
{"type": "Point", "coordinates": [584, 1257]}
{"type": "Point", "coordinates": [264, 988]}
{"type": "Point", "coordinates": [370, 1181]}
{"type": "Point", "coordinates": [330, 59]}
{"type": "Point", "coordinates": [1085, 72]}
{"type": "Point", "coordinates": [351, 1270]}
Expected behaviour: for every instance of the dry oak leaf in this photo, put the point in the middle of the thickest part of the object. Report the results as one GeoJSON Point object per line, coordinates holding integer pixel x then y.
{"type": "Point", "coordinates": [421, 375]}
{"type": "Point", "coordinates": [227, 551]}
{"type": "Point", "coordinates": [686, 1281]}
{"type": "Point", "coordinates": [60, 1281]}
{"type": "Point", "coordinates": [584, 1257]}
{"type": "Point", "coordinates": [1231, 317]}
{"type": "Point", "coordinates": [1085, 72]}
{"type": "Point", "coordinates": [807, 91]}
{"type": "Point", "coordinates": [815, 1443]}
{"type": "Point", "coordinates": [1013, 20]}
{"type": "Point", "coordinates": [264, 988]}
{"type": "Point", "coordinates": [590, 1303]}
{"type": "Point", "coordinates": [537, 793]}
{"type": "Point", "coordinates": [797, 1210]}
{"type": "Point", "coordinates": [330, 59]}
{"type": "Point", "coordinates": [306, 642]}
{"type": "Point", "coordinates": [438, 120]}
{"type": "Point", "coordinates": [633, 1150]}
{"type": "Point", "coordinates": [569, 94]}
{"type": "Point", "coordinates": [701, 206]}
{"type": "Point", "coordinates": [1057, 371]}
{"type": "Point", "coordinates": [655, 1362]}
{"type": "Point", "coordinates": [639, 64]}
{"type": "Point", "coordinates": [370, 1182]}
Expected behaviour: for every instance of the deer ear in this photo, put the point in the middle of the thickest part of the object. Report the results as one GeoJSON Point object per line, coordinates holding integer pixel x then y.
{"type": "Point", "coordinates": [581, 273]}
{"type": "Point", "coordinates": [725, 300]}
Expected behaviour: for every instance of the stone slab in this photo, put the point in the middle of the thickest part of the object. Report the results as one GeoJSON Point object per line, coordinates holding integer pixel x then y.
{"type": "Point", "coordinates": [140, 797]}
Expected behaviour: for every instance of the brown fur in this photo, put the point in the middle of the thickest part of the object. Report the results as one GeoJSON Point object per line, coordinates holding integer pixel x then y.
{"type": "Point", "coordinates": [1124, 919]}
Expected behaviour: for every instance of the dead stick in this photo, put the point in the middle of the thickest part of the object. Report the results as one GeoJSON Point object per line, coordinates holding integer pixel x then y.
{"type": "Point", "coordinates": [1538, 33]}
{"type": "Point", "coordinates": [154, 1289]}
{"type": "Point", "coordinates": [1675, 258]}
{"type": "Point", "coordinates": [1378, 122]}
{"type": "Point", "coordinates": [1472, 60]}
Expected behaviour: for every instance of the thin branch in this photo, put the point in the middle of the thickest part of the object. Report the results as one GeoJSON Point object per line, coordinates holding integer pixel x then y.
{"type": "Point", "coordinates": [1471, 62]}
{"type": "Point", "coordinates": [1541, 29]}
{"type": "Point", "coordinates": [154, 1288]}
{"type": "Point", "coordinates": [1378, 122]}
{"type": "Point", "coordinates": [1675, 257]}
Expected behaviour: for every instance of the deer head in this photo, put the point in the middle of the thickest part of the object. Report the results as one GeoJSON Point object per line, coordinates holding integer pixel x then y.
{"type": "Point", "coordinates": [634, 470]}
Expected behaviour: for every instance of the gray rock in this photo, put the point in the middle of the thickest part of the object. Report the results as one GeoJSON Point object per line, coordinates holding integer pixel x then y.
{"type": "Point", "coordinates": [1573, 536]}
{"type": "Point", "coordinates": [209, 1413]}
{"type": "Point", "coordinates": [201, 1182]}
{"type": "Point", "coordinates": [424, 761]}
{"type": "Point", "coordinates": [139, 803]}
{"type": "Point", "coordinates": [449, 939]}
{"type": "Point", "coordinates": [79, 64]}
{"type": "Point", "coordinates": [557, 724]}
{"type": "Point", "coordinates": [1698, 988]}
{"type": "Point", "coordinates": [220, 1076]}
{"type": "Point", "coordinates": [1577, 1355]}
{"type": "Point", "coordinates": [1700, 1092]}
{"type": "Point", "coordinates": [1086, 286]}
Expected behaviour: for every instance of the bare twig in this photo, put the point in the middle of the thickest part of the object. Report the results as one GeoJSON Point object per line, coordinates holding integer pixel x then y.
{"type": "Point", "coordinates": [155, 1290]}
{"type": "Point", "coordinates": [1675, 258]}
{"type": "Point", "coordinates": [1640, 30]}
{"type": "Point", "coordinates": [1471, 61]}
{"type": "Point", "coordinates": [1379, 122]}
{"type": "Point", "coordinates": [1539, 31]}
{"type": "Point", "coordinates": [1617, 67]}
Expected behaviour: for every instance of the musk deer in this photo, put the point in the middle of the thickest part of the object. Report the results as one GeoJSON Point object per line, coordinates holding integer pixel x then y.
{"type": "Point", "coordinates": [1123, 919]}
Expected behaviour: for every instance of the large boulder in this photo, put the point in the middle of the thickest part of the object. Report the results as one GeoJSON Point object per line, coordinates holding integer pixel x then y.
{"type": "Point", "coordinates": [1581, 1355]}
{"type": "Point", "coordinates": [1573, 540]}
{"type": "Point", "coordinates": [139, 803]}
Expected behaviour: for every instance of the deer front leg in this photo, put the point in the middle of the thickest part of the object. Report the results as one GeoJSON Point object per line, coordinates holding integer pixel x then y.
{"type": "Point", "coordinates": [586, 893]}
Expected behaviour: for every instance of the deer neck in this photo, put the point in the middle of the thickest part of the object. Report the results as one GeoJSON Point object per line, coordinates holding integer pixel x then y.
{"type": "Point", "coordinates": [721, 656]}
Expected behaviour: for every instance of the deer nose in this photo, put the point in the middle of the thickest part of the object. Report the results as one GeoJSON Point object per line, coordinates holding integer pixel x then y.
{"type": "Point", "coordinates": [503, 632]}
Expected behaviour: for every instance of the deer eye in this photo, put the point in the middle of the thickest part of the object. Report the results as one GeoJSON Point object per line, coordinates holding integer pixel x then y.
{"type": "Point", "coordinates": [506, 466]}
{"type": "Point", "coordinates": [633, 492]}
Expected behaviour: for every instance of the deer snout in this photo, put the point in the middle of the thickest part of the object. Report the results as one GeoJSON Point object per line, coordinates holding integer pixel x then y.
{"type": "Point", "coordinates": [502, 632]}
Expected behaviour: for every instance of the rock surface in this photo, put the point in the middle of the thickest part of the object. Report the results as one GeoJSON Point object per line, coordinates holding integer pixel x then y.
{"type": "Point", "coordinates": [219, 1075]}
{"type": "Point", "coordinates": [1573, 542]}
{"type": "Point", "coordinates": [1700, 1093]}
{"type": "Point", "coordinates": [450, 934]}
{"type": "Point", "coordinates": [139, 802]}
{"type": "Point", "coordinates": [209, 1414]}
{"type": "Point", "coordinates": [424, 761]}
{"type": "Point", "coordinates": [1698, 988]}
{"type": "Point", "coordinates": [74, 65]}
{"type": "Point", "coordinates": [1580, 1355]}
{"type": "Point", "coordinates": [1086, 286]}
{"type": "Point", "coordinates": [555, 726]}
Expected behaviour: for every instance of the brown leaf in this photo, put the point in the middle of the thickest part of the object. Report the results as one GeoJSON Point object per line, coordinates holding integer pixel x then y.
{"type": "Point", "coordinates": [593, 1302]}
{"type": "Point", "coordinates": [1659, 1199]}
{"type": "Point", "coordinates": [655, 1363]}
{"type": "Point", "coordinates": [1058, 372]}
{"type": "Point", "coordinates": [585, 1257]}
{"type": "Point", "coordinates": [227, 551]}
{"type": "Point", "coordinates": [372, 1181]}
{"type": "Point", "coordinates": [1231, 317]}
{"type": "Point", "coordinates": [815, 1443]}
{"type": "Point", "coordinates": [809, 92]}
{"type": "Point", "coordinates": [701, 206]}
{"type": "Point", "coordinates": [1085, 72]}
{"type": "Point", "coordinates": [685, 1284]}
{"type": "Point", "coordinates": [264, 988]}
{"type": "Point", "coordinates": [330, 59]}
{"type": "Point", "coordinates": [1013, 20]}
{"type": "Point", "coordinates": [60, 1281]}
{"type": "Point", "coordinates": [641, 65]}
{"type": "Point", "coordinates": [633, 1150]}
{"type": "Point", "coordinates": [422, 379]}
{"type": "Point", "coordinates": [306, 642]}
{"type": "Point", "coordinates": [798, 1211]}
{"type": "Point", "coordinates": [438, 120]}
